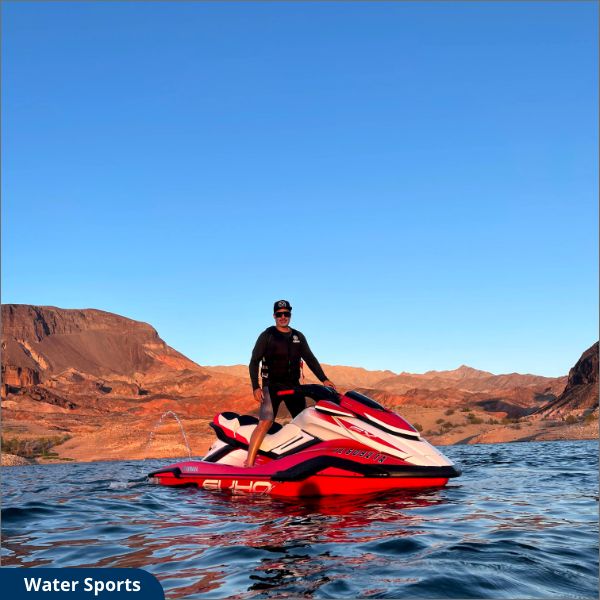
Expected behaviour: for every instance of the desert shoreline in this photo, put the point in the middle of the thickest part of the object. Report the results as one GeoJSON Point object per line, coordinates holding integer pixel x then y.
{"type": "Point", "coordinates": [12, 460]}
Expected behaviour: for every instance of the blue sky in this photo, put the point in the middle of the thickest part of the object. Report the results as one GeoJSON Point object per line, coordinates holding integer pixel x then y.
{"type": "Point", "coordinates": [418, 179]}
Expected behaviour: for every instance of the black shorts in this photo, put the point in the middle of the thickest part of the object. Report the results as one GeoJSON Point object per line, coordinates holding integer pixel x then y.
{"type": "Point", "coordinates": [274, 395]}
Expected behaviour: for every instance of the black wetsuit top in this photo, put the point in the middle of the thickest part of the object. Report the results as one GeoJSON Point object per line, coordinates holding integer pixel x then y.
{"type": "Point", "coordinates": [282, 353]}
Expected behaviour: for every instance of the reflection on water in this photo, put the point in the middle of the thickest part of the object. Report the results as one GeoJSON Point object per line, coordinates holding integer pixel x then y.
{"type": "Point", "coordinates": [520, 522]}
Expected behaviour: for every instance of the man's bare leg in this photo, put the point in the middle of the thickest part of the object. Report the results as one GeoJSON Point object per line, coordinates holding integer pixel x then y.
{"type": "Point", "coordinates": [256, 439]}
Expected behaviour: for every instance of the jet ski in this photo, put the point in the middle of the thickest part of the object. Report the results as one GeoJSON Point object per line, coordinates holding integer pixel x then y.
{"type": "Point", "coordinates": [344, 444]}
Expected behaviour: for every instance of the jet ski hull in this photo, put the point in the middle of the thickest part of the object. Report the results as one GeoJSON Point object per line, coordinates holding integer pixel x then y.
{"type": "Point", "coordinates": [317, 485]}
{"type": "Point", "coordinates": [318, 471]}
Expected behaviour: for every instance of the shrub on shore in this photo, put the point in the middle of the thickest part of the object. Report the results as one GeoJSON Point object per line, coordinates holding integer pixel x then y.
{"type": "Point", "coordinates": [32, 448]}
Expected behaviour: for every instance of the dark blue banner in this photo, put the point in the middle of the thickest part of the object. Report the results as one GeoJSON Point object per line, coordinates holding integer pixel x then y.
{"type": "Point", "coordinates": [79, 584]}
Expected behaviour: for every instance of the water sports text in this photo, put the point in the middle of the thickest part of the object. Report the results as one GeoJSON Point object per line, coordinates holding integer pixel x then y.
{"type": "Point", "coordinates": [89, 584]}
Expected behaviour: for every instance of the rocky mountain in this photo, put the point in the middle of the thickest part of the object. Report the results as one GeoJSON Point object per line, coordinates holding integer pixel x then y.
{"type": "Point", "coordinates": [580, 396]}
{"type": "Point", "coordinates": [46, 345]}
{"type": "Point", "coordinates": [96, 360]}
{"type": "Point", "coordinates": [108, 383]}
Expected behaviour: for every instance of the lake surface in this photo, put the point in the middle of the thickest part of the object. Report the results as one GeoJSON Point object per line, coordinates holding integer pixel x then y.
{"type": "Point", "coordinates": [521, 522]}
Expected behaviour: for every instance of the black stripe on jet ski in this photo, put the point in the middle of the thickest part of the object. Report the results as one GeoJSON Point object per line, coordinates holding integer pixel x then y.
{"type": "Point", "coordinates": [289, 442]}
{"type": "Point", "coordinates": [218, 454]}
{"type": "Point", "coordinates": [244, 446]}
{"type": "Point", "coordinates": [225, 438]}
{"type": "Point", "coordinates": [295, 449]}
{"type": "Point", "coordinates": [408, 436]}
{"type": "Point", "coordinates": [331, 411]}
{"type": "Point", "coordinates": [176, 472]}
{"type": "Point", "coordinates": [249, 420]}
{"type": "Point", "coordinates": [313, 466]}
{"type": "Point", "coordinates": [423, 471]}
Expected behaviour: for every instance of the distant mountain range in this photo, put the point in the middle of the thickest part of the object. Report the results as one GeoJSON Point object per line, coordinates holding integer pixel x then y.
{"type": "Point", "coordinates": [95, 375]}
{"type": "Point", "coordinates": [515, 394]}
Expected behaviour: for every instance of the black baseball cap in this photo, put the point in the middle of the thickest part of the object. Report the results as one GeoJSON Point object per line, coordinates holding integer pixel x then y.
{"type": "Point", "coordinates": [279, 304]}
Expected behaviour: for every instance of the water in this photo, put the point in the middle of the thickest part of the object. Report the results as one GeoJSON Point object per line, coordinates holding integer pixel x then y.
{"type": "Point", "coordinates": [159, 423]}
{"type": "Point", "coordinates": [522, 522]}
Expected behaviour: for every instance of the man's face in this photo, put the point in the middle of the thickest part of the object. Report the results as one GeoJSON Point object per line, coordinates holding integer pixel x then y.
{"type": "Point", "coordinates": [282, 317]}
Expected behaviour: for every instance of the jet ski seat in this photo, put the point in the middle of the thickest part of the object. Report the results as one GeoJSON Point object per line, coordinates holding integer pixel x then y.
{"type": "Point", "coordinates": [231, 426]}
{"type": "Point", "coordinates": [235, 421]}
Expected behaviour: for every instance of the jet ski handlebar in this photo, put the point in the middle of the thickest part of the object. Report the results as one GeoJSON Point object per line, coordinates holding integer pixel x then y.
{"type": "Point", "coordinates": [315, 392]}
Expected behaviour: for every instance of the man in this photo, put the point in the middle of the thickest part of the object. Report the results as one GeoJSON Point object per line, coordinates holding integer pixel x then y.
{"type": "Point", "coordinates": [281, 350]}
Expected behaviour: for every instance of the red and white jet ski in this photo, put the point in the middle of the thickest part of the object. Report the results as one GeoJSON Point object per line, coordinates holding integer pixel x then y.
{"type": "Point", "coordinates": [344, 444]}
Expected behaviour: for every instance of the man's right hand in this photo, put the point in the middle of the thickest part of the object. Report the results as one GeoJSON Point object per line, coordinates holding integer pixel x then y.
{"type": "Point", "coordinates": [258, 395]}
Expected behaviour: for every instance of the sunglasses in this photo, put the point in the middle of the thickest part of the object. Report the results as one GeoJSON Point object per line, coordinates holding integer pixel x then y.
{"type": "Point", "coordinates": [285, 313]}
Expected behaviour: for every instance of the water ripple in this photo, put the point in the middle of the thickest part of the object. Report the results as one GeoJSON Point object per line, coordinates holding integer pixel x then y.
{"type": "Point", "coordinates": [522, 522]}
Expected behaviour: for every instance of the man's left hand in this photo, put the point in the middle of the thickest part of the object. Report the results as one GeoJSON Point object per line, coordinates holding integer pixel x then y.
{"type": "Point", "coordinates": [329, 384]}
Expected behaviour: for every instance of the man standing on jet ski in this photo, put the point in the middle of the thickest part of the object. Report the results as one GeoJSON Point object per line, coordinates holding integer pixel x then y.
{"type": "Point", "coordinates": [281, 350]}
